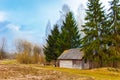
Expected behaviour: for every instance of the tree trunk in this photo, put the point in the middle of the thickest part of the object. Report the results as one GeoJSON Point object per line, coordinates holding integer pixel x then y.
{"type": "Point", "coordinates": [100, 61]}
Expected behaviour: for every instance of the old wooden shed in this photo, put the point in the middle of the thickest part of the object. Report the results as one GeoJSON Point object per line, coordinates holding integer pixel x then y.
{"type": "Point", "coordinates": [73, 58]}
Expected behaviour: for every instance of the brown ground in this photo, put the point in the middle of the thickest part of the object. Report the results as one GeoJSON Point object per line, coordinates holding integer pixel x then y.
{"type": "Point", "coordinates": [22, 72]}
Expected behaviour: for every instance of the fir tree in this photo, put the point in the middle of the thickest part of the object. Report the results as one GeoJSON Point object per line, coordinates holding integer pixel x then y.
{"type": "Point", "coordinates": [114, 21]}
{"type": "Point", "coordinates": [51, 49]}
{"type": "Point", "coordinates": [95, 31]}
{"type": "Point", "coordinates": [69, 37]}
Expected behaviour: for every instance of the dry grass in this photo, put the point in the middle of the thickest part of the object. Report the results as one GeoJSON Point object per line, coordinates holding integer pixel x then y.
{"type": "Point", "coordinates": [23, 72]}
{"type": "Point", "coordinates": [11, 70]}
{"type": "Point", "coordinates": [7, 61]}
{"type": "Point", "coordinates": [95, 74]}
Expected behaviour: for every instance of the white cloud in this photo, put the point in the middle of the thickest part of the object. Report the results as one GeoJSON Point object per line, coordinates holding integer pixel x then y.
{"type": "Point", "coordinates": [13, 27]}
{"type": "Point", "coordinates": [3, 16]}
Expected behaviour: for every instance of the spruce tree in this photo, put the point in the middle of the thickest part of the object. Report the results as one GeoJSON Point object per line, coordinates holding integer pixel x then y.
{"type": "Point", "coordinates": [51, 49]}
{"type": "Point", "coordinates": [95, 31]}
{"type": "Point", "coordinates": [114, 23]}
{"type": "Point", "coordinates": [69, 37]}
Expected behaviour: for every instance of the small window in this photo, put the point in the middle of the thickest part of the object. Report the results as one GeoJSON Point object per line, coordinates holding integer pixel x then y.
{"type": "Point", "coordinates": [75, 62]}
{"type": "Point", "coordinates": [85, 61]}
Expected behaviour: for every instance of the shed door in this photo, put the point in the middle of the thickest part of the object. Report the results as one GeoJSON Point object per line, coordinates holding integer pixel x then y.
{"type": "Point", "coordinates": [77, 64]}
{"type": "Point", "coordinates": [66, 63]}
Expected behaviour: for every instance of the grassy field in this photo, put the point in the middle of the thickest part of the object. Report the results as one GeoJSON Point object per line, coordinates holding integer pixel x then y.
{"type": "Point", "coordinates": [11, 70]}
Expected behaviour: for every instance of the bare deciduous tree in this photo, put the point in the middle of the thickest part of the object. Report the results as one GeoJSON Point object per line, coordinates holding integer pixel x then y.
{"type": "Point", "coordinates": [28, 52]}
{"type": "Point", "coordinates": [2, 48]}
{"type": "Point", "coordinates": [23, 46]}
{"type": "Point", "coordinates": [38, 57]}
{"type": "Point", "coordinates": [24, 49]}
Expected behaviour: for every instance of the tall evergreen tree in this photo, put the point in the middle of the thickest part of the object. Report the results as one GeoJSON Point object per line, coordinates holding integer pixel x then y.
{"type": "Point", "coordinates": [51, 49]}
{"type": "Point", "coordinates": [69, 37]}
{"type": "Point", "coordinates": [95, 31]}
{"type": "Point", "coordinates": [114, 21]}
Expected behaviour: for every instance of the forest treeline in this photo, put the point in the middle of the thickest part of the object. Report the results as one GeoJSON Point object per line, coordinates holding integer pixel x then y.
{"type": "Point", "coordinates": [101, 43]}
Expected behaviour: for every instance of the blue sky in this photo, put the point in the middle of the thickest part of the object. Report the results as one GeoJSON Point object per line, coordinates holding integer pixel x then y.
{"type": "Point", "coordinates": [27, 19]}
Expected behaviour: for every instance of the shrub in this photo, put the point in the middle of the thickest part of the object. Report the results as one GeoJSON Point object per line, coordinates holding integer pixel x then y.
{"type": "Point", "coordinates": [29, 53]}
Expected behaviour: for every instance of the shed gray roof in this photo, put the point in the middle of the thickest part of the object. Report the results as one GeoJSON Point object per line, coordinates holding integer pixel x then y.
{"type": "Point", "coordinates": [72, 54]}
